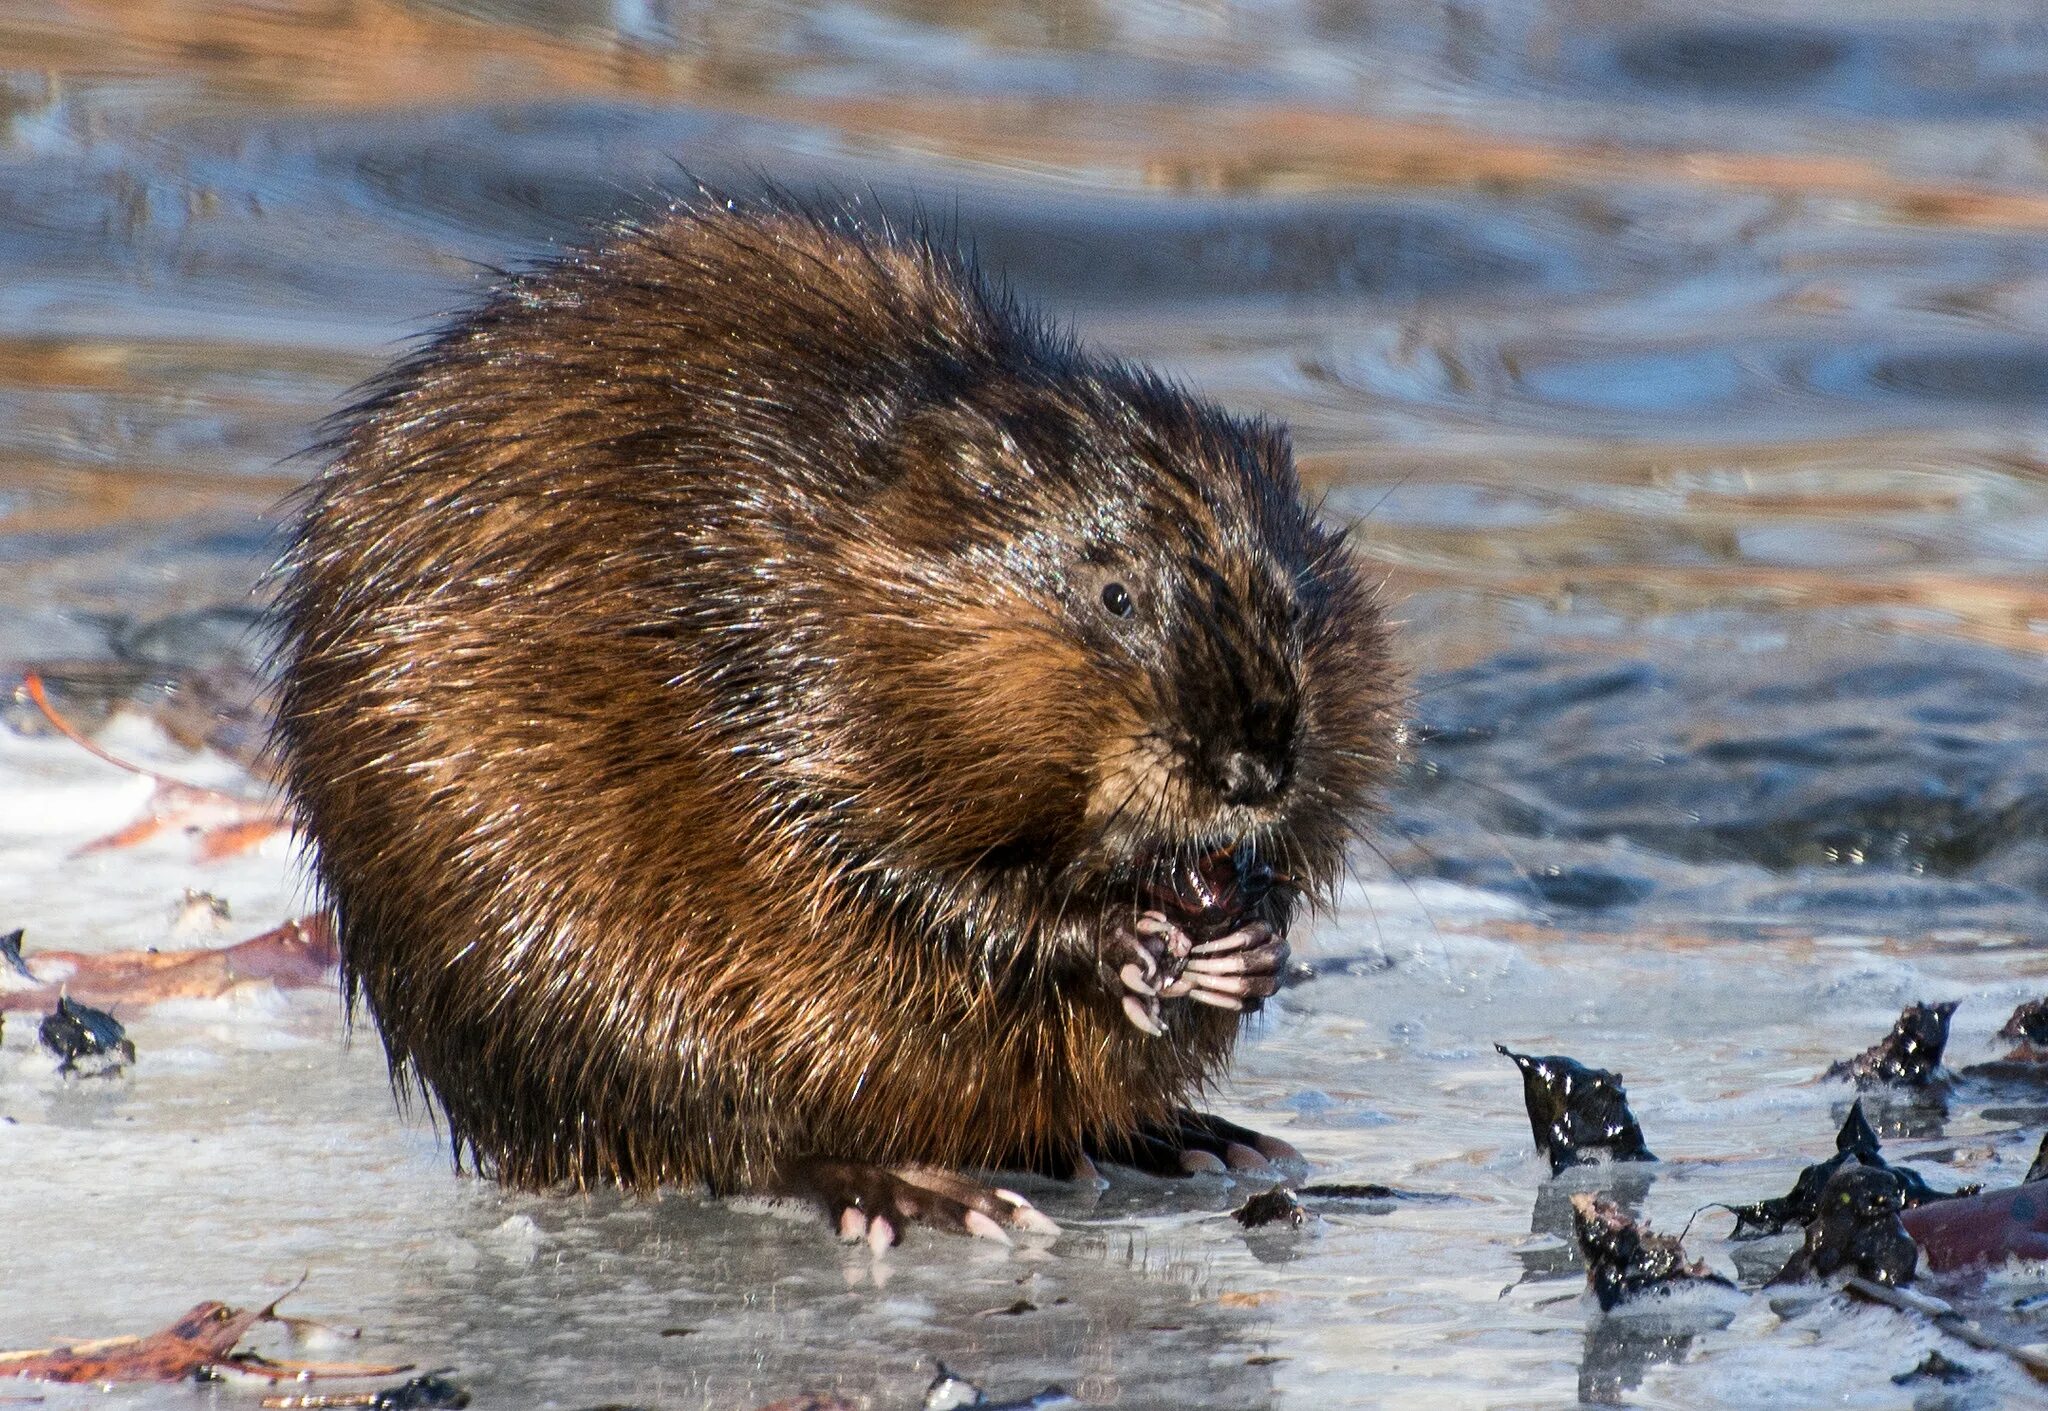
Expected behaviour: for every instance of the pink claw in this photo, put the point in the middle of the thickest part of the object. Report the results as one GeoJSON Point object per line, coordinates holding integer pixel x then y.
{"type": "Point", "coordinates": [1256, 934]}
{"type": "Point", "coordinates": [1153, 924]}
{"type": "Point", "coordinates": [1141, 1014]}
{"type": "Point", "coordinates": [1236, 985]}
{"type": "Point", "coordinates": [1030, 1218]}
{"type": "Point", "coordinates": [981, 1227]}
{"type": "Point", "coordinates": [1221, 965]}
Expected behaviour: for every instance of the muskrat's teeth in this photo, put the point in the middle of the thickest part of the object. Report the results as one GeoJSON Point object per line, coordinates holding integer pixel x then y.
{"type": "Point", "coordinates": [1134, 979]}
{"type": "Point", "coordinates": [1142, 1014]}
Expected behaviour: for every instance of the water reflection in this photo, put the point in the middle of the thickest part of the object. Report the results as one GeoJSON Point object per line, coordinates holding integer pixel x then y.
{"type": "Point", "coordinates": [1619, 1354]}
{"type": "Point", "coordinates": [1807, 785]}
{"type": "Point", "coordinates": [1627, 1185]}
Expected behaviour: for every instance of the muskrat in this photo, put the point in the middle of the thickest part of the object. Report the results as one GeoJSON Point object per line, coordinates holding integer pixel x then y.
{"type": "Point", "coordinates": [771, 713]}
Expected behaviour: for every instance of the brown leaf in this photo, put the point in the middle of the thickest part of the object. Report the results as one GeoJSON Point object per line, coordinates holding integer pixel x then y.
{"type": "Point", "coordinates": [205, 1336]}
{"type": "Point", "coordinates": [226, 825]}
{"type": "Point", "coordinates": [1256, 1299]}
{"type": "Point", "coordinates": [300, 954]}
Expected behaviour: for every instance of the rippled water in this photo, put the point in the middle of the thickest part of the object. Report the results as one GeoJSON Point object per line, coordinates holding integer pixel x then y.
{"type": "Point", "coordinates": [1682, 368]}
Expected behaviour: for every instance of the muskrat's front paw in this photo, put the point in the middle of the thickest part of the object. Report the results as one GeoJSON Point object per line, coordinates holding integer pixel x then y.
{"type": "Point", "coordinates": [877, 1203]}
{"type": "Point", "coordinates": [1195, 1143]}
{"type": "Point", "coordinates": [1157, 951]}
{"type": "Point", "coordinates": [1234, 971]}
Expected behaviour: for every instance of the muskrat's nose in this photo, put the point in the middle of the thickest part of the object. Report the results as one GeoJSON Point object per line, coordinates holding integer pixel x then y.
{"type": "Point", "coordinates": [1248, 778]}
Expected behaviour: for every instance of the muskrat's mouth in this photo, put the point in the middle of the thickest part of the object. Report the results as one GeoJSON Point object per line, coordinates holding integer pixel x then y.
{"type": "Point", "coordinates": [1208, 933]}
{"type": "Point", "coordinates": [1211, 894]}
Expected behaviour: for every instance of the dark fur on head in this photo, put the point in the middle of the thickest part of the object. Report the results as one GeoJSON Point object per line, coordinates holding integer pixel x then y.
{"type": "Point", "coordinates": [736, 674]}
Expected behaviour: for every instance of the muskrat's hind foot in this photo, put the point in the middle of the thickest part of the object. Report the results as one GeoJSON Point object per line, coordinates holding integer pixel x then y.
{"type": "Point", "coordinates": [1194, 1143]}
{"type": "Point", "coordinates": [877, 1203]}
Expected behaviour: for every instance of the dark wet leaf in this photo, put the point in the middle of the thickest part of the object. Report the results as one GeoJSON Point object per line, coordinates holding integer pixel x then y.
{"type": "Point", "coordinates": [428, 1392]}
{"type": "Point", "coordinates": [1343, 1190]}
{"type": "Point", "coordinates": [2028, 1024]}
{"type": "Point", "coordinates": [1577, 1113]}
{"type": "Point", "coordinates": [1906, 1057]}
{"type": "Point", "coordinates": [1855, 1145]}
{"type": "Point", "coordinates": [1271, 1207]}
{"type": "Point", "coordinates": [2039, 1169]}
{"type": "Point", "coordinates": [1857, 1229]}
{"type": "Point", "coordinates": [88, 1042]}
{"type": "Point", "coordinates": [1625, 1260]}
{"type": "Point", "coordinates": [1935, 1368]}
{"type": "Point", "coordinates": [10, 953]}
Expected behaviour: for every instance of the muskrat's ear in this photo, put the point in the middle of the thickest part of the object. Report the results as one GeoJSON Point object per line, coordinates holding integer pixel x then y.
{"type": "Point", "coordinates": [948, 479]}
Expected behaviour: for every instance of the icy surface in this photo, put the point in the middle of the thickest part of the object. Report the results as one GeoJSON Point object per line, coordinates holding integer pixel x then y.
{"type": "Point", "coordinates": [252, 1144]}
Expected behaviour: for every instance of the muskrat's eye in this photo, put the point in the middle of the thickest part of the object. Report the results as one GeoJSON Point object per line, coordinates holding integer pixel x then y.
{"type": "Point", "coordinates": [1117, 598]}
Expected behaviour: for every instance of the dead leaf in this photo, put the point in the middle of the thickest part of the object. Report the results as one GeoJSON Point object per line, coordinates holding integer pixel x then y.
{"type": "Point", "coordinates": [1258, 1299]}
{"type": "Point", "coordinates": [227, 824]}
{"type": "Point", "coordinates": [204, 1337]}
{"type": "Point", "coordinates": [299, 955]}
{"type": "Point", "coordinates": [201, 1341]}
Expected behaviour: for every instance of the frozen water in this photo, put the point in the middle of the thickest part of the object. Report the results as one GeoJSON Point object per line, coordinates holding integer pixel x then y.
{"type": "Point", "coordinates": [253, 1143]}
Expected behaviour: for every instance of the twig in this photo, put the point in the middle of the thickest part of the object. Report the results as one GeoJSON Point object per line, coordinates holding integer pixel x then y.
{"type": "Point", "coordinates": [32, 684]}
{"type": "Point", "coordinates": [1949, 1321]}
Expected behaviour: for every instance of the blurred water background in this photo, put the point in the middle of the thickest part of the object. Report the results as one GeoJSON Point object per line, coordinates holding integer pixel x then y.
{"type": "Point", "coordinates": [1681, 366]}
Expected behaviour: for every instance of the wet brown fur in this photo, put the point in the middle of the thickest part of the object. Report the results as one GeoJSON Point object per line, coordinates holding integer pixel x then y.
{"type": "Point", "coordinates": [694, 686]}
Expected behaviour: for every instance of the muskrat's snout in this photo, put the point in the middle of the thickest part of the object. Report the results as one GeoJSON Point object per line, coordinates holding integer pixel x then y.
{"type": "Point", "coordinates": [1253, 766]}
{"type": "Point", "coordinates": [1250, 778]}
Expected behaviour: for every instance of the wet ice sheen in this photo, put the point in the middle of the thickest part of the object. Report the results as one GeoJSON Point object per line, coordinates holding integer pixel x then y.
{"type": "Point", "coordinates": [1709, 498]}
{"type": "Point", "coordinates": [249, 1146]}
